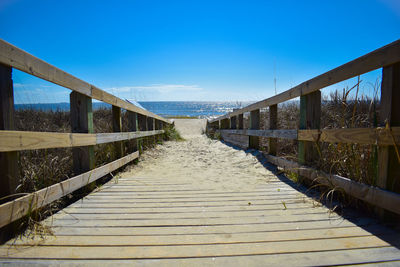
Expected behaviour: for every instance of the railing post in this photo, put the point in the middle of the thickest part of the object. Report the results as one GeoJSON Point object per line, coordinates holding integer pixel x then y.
{"type": "Point", "coordinates": [133, 127]}
{"type": "Point", "coordinates": [224, 124]}
{"type": "Point", "coordinates": [8, 160]}
{"type": "Point", "coordinates": [240, 121]}
{"type": "Point", "coordinates": [388, 161]}
{"type": "Point", "coordinates": [310, 118]}
{"type": "Point", "coordinates": [117, 128]}
{"type": "Point", "coordinates": [254, 141]}
{"type": "Point", "coordinates": [273, 124]}
{"type": "Point", "coordinates": [142, 123]}
{"type": "Point", "coordinates": [233, 123]}
{"type": "Point", "coordinates": [81, 116]}
{"type": "Point", "coordinates": [150, 127]}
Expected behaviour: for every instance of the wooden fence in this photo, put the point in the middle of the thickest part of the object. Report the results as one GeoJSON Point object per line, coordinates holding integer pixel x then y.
{"type": "Point", "coordinates": [309, 133]}
{"type": "Point", "coordinates": [142, 123]}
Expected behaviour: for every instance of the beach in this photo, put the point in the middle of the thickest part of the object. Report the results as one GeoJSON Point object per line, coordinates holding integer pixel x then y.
{"type": "Point", "coordinates": [201, 161]}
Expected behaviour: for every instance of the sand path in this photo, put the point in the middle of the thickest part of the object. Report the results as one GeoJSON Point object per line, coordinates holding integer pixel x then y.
{"type": "Point", "coordinates": [201, 161]}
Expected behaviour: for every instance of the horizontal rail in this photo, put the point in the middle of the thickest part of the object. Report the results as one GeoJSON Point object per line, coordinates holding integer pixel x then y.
{"type": "Point", "coordinates": [24, 140]}
{"type": "Point", "coordinates": [12, 56]}
{"type": "Point", "coordinates": [379, 58]}
{"type": "Point", "coordinates": [286, 134]}
{"type": "Point", "coordinates": [370, 194]}
{"type": "Point", "coordinates": [18, 208]}
{"type": "Point", "coordinates": [373, 136]}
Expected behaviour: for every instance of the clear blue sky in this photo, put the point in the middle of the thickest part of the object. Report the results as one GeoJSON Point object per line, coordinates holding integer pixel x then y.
{"type": "Point", "coordinates": [193, 50]}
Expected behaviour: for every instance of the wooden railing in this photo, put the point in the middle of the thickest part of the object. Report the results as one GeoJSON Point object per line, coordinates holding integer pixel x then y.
{"type": "Point", "coordinates": [142, 123]}
{"type": "Point", "coordinates": [309, 133]}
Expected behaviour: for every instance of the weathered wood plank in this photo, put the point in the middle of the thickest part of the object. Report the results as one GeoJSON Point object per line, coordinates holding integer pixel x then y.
{"type": "Point", "coordinates": [268, 248]}
{"type": "Point", "coordinates": [286, 134]}
{"type": "Point", "coordinates": [387, 256]}
{"type": "Point", "coordinates": [384, 56]}
{"type": "Point", "coordinates": [129, 240]}
{"type": "Point", "coordinates": [18, 208]}
{"type": "Point", "coordinates": [25, 140]}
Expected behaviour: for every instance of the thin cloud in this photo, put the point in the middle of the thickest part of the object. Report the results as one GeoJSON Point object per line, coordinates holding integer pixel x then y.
{"type": "Point", "coordinates": [161, 88]}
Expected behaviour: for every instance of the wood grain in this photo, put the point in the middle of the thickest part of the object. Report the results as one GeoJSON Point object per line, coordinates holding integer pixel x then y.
{"type": "Point", "coordinates": [25, 140]}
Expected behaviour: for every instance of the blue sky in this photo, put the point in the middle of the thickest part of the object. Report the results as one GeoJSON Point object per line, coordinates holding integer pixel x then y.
{"type": "Point", "coordinates": [193, 50]}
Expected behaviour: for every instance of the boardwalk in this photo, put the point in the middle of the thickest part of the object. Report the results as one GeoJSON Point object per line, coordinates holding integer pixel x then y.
{"type": "Point", "coordinates": [160, 213]}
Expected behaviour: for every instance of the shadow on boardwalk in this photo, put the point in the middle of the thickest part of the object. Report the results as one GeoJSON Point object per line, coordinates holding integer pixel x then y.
{"type": "Point", "coordinates": [358, 217]}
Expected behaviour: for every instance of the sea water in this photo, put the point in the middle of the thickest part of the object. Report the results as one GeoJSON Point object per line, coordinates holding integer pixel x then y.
{"type": "Point", "coordinates": [199, 109]}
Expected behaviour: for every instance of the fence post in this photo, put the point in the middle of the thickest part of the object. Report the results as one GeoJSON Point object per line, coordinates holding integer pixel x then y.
{"type": "Point", "coordinates": [240, 121]}
{"type": "Point", "coordinates": [117, 128]}
{"type": "Point", "coordinates": [273, 124]}
{"type": "Point", "coordinates": [388, 161]}
{"type": "Point", "coordinates": [81, 117]}
{"type": "Point", "coordinates": [8, 160]}
{"type": "Point", "coordinates": [224, 124]}
{"type": "Point", "coordinates": [150, 127]}
{"type": "Point", "coordinates": [310, 118]}
{"type": "Point", "coordinates": [142, 125]}
{"type": "Point", "coordinates": [254, 141]}
{"type": "Point", "coordinates": [233, 122]}
{"type": "Point", "coordinates": [133, 127]}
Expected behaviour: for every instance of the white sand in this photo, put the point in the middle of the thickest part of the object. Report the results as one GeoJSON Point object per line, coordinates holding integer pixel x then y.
{"type": "Point", "coordinates": [201, 161]}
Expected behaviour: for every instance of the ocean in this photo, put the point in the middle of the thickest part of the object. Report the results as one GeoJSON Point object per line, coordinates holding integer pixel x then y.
{"type": "Point", "coordinates": [199, 109]}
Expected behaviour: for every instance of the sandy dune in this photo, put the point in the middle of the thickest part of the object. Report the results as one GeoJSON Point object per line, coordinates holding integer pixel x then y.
{"type": "Point", "coordinates": [200, 160]}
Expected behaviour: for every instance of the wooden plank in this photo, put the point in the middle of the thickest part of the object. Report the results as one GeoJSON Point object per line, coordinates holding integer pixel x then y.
{"type": "Point", "coordinates": [373, 195]}
{"type": "Point", "coordinates": [195, 221]}
{"type": "Point", "coordinates": [20, 207]}
{"type": "Point", "coordinates": [209, 229]}
{"type": "Point", "coordinates": [8, 160]}
{"type": "Point", "coordinates": [117, 128]}
{"type": "Point", "coordinates": [310, 118]}
{"type": "Point", "coordinates": [25, 140]}
{"type": "Point", "coordinates": [382, 255]}
{"type": "Point", "coordinates": [265, 237]}
{"type": "Point", "coordinates": [384, 56]}
{"type": "Point", "coordinates": [129, 216]}
{"type": "Point", "coordinates": [285, 134]}
{"type": "Point", "coordinates": [378, 136]}
{"type": "Point", "coordinates": [273, 124]}
{"type": "Point", "coordinates": [81, 117]}
{"type": "Point", "coordinates": [268, 248]}
{"type": "Point", "coordinates": [254, 141]}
